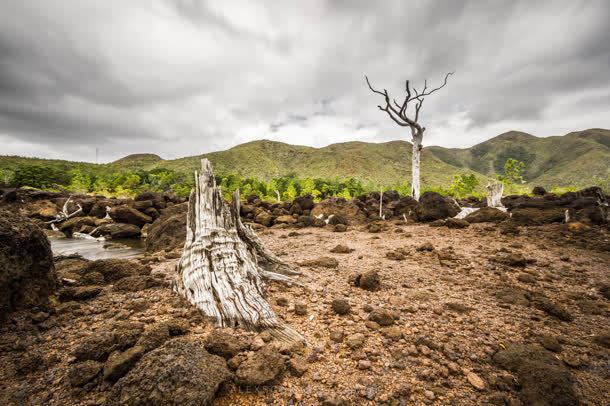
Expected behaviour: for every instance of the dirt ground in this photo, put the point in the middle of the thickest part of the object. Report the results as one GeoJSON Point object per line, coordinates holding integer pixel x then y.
{"type": "Point", "coordinates": [454, 303]}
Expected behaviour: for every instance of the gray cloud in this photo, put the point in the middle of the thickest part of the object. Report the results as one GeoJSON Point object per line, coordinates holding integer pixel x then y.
{"type": "Point", "coordinates": [184, 77]}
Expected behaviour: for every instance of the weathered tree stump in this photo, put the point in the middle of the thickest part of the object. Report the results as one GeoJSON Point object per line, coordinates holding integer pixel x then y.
{"type": "Point", "coordinates": [219, 270]}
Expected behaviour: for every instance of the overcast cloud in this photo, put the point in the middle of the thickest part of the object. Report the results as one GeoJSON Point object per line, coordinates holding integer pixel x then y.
{"type": "Point", "coordinates": [185, 77]}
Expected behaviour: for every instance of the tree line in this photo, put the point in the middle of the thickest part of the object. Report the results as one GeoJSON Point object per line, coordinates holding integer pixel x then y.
{"type": "Point", "coordinates": [131, 182]}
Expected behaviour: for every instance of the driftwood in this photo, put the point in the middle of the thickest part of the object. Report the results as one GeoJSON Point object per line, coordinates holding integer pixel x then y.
{"type": "Point", "coordinates": [219, 270]}
{"type": "Point", "coordinates": [64, 215]}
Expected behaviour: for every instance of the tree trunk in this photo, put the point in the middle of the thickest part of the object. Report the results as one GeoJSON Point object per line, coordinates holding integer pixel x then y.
{"type": "Point", "coordinates": [218, 271]}
{"type": "Point", "coordinates": [416, 159]}
{"type": "Point", "coordinates": [494, 194]}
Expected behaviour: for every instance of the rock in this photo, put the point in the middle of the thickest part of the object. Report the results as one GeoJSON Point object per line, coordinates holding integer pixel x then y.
{"type": "Point", "coordinates": [115, 269]}
{"type": "Point", "coordinates": [512, 259]}
{"type": "Point", "coordinates": [339, 228]}
{"type": "Point", "coordinates": [341, 249]}
{"type": "Point", "coordinates": [324, 262]}
{"type": "Point", "coordinates": [381, 317]}
{"type": "Point", "coordinates": [543, 378]}
{"type": "Point", "coordinates": [126, 214]}
{"type": "Point", "coordinates": [526, 278]}
{"type": "Point", "coordinates": [356, 340]}
{"type": "Point", "coordinates": [456, 223]}
{"type": "Point", "coordinates": [305, 202]}
{"type": "Point", "coordinates": [337, 335]}
{"type": "Point", "coordinates": [364, 364]}
{"type": "Point", "coordinates": [487, 215]}
{"type": "Point", "coordinates": [539, 191]}
{"type": "Point", "coordinates": [27, 272]}
{"type": "Point", "coordinates": [475, 380]}
{"type": "Point", "coordinates": [136, 283]}
{"type": "Point", "coordinates": [549, 342]}
{"type": "Point", "coordinates": [79, 293]}
{"type": "Point", "coordinates": [339, 207]}
{"type": "Point", "coordinates": [117, 230]}
{"type": "Point", "coordinates": [282, 301]}
{"type": "Point", "coordinates": [96, 347]}
{"type": "Point", "coordinates": [336, 219]}
{"type": "Point", "coordinates": [262, 368]}
{"type": "Point", "coordinates": [119, 363]}
{"type": "Point", "coordinates": [223, 343]}
{"type": "Point", "coordinates": [602, 340]}
{"type": "Point", "coordinates": [395, 255]}
{"type": "Point", "coordinates": [181, 372]}
{"type": "Point", "coordinates": [74, 224]}
{"type": "Point", "coordinates": [264, 218]}
{"type": "Point", "coordinates": [154, 336]}
{"type": "Point", "coordinates": [537, 216]}
{"type": "Point", "coordinates": [168, 232]}
{"type": "Point", "coordinates": [433, 206]}
{"type": "Point", "coordinates": [341, 306]}
{"type": "Point", "coordinates": [392, 332]}
{"type": "Point", "coordinates": [300, 308]}
{"type": "Point", "coordinates": [286, 219]}
{"type": "Point", "coordinates": [368, 280]}
{"type": "Point", "coordinates": [427, 246]}
{"type": "Point", "coordinates": [297, 365]}
{"type": "Point", "coordinates": [83, 372]}
{"type": "Point", "coordinates": [553, 309]}
{"type": "Point", "coordinates": [306, 221]}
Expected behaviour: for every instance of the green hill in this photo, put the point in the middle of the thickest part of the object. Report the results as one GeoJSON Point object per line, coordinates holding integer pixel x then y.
{"type": "Point", "coordinates": [577, 159]}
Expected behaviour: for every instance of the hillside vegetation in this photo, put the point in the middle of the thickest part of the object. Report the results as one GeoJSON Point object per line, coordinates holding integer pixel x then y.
{"type": "Point", "coordinates": [578, 159]}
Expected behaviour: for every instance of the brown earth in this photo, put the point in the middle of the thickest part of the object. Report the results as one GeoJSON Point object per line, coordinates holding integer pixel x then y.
{"type": "Point", "coordinates": [462, 316]}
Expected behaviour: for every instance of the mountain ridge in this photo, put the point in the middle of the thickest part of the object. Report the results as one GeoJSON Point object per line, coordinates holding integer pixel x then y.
{"type": "Point", "coordinates": [579, 158]}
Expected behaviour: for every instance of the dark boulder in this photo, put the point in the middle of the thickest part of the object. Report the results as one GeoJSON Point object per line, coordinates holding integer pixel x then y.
{"type": "Point", "coordinates": [433, 206]}
{"type": "Point", "coordinates": [537, 216]}
{"type": "Point", "coordinates": [487, 215]}
{"type": "Point", "coordinates": [27, 273]}
{"type": "Point", "coordinates": [222, 343]}
{"type": "Point", "coordinates": [263, 367]}
{"type": "Point", "coordinates": [181, 372]}
{"type": "Point", "coordinates": [538, 191]}
{"type": "Point", "coordinates": [74, 224]}
{"type": "Point", "coordinates": [126, 214]}
{"type": "Point", "coordinates": [544, 379]}
{"type": "Point", "coordinates": [168, 231]}
{"type": "Point", "coordinates": [305, 202]}
{"type": "Point", "coordinates": [117, 230]}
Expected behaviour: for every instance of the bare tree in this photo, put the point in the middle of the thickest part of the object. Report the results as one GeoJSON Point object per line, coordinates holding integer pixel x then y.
{"type": "Point", "coordinates": [399, 113]}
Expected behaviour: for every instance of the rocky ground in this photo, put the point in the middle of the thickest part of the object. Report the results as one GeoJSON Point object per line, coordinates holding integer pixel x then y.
{"type": "Point", "coordinates": [393, 313]}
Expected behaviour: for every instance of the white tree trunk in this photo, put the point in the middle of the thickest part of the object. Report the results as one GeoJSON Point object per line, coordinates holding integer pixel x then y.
{"type": "Point", "coordinates": [494, 194]}
{"type": "Point", "coordinates": [415, 164]}
{"type": "Point", "coordinates": [218, 271]}
{"type": "Point", "coordinates": [381, 204]}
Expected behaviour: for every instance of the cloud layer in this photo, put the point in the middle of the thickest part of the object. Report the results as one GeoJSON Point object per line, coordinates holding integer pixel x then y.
{"type": "Point", "coordinates": [185, 77]}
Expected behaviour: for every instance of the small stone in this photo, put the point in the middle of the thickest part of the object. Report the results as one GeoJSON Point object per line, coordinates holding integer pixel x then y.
{"type": "Point", "coordinates": [341, 249]}
{"type": "Point", "coordinates": [364, 364]}
{"type": "Point", "coordinates": [341, 306]}
{"type": "Point", "coordinates": [336, 335]}
{"type": "Point", "coordinates": [297, 365]}
{"type": "Point", "coordinates": [475, 380]}
{"type": "Point", "coordinates": [427, 246]}
{"type": "Point", "coordinates": [300, 309]}
{"type": "Point", "coordinates": [381, 317]}
{"type": "Point", "coordinates": [429, 394]}
{"type": "Point", "coordinates": [83, 372]}
{"type": "Point", "coordinates": [356, 340]}
{"type": "Point", "coordinates": [282, 301]}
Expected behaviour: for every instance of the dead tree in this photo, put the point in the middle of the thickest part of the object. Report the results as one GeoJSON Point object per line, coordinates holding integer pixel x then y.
{"type": "Point", "coordinates": [64, 215]}
{"type": "Point", "coordinates": [399, 113]}
{"type": "Point", "coordinates": [219, 271]}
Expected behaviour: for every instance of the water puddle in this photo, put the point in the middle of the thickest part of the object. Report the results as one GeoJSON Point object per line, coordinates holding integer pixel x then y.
{"type": "Point", "coordinates": [93, 249]}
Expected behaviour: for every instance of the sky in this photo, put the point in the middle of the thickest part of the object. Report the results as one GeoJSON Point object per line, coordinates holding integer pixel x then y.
{"type": "Point", "coordinates": [185, 77]}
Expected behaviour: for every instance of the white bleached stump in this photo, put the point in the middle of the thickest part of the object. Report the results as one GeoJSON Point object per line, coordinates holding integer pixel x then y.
{"type": "Point", "coordinates": [219, 272]}
{"type": "Point", "coordinates": [494, 194]}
